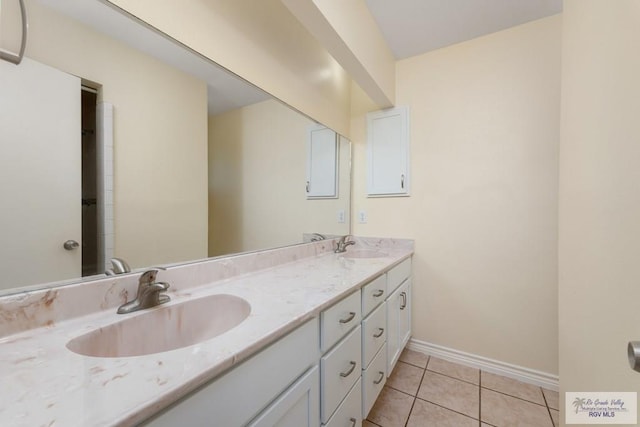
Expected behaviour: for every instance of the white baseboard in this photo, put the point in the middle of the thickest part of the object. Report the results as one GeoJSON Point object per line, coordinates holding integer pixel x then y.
{"type": "Point", "coordinates": [526, 375]}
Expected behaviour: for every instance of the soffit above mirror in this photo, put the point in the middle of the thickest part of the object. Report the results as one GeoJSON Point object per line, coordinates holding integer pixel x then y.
{"type": "Point", "coordinates": [225, 90]}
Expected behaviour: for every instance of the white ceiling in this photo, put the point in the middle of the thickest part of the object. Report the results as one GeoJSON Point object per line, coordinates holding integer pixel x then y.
{"type": "Point", "coordinates": [412, 27]}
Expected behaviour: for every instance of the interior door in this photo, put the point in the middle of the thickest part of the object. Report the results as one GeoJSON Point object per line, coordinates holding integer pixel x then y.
{"type": "Point", "coordinates": [40, 166]}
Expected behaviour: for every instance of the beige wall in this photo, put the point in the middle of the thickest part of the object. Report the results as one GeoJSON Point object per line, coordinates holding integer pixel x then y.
{"type": "Point", "coordinates": [257, 179]}
{"type": "Point", "coordinates": [160, 138]}
{"type": "Point", "coordinates": [262, 42]}
{"type": "Point", "coordinates": [483, 209]}
{"type": "Point", "coordinates": [599, 198]}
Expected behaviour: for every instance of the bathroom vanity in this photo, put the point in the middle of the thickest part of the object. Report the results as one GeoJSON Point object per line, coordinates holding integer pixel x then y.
{"type": "Point", "coordinates": [312, 343]}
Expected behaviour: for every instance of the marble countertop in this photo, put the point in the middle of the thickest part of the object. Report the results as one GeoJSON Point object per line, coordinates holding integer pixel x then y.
{"type": "Point", "coordinates": [46, 384]}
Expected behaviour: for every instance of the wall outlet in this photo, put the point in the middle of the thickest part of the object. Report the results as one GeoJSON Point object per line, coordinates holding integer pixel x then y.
{"type": "Point", "coordinates": [362, 217]}
{"type": "Point", "coordinates": [341, 216]}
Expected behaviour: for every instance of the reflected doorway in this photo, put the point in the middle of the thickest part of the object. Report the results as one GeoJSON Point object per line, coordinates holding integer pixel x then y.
{"type": "Point", "coordinates": [90, 264]}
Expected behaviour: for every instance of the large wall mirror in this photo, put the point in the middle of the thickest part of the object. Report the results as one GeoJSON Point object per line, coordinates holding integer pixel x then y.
{"type": "Point", "coordinates": [114, 137]}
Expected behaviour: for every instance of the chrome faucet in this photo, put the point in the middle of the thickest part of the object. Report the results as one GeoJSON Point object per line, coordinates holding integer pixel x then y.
{"type": "Point", "coordinates": [120, 266]}
{"type": "Point", "coordinates": [149, 293]}
{"type": "Point", "coordinates": [343, 243]}
{"type": "Point", "coordinates": [316, 237]}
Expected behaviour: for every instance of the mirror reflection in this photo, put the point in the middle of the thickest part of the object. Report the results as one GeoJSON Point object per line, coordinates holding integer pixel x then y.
{"type": "Point", "coordinates": [122, 141]}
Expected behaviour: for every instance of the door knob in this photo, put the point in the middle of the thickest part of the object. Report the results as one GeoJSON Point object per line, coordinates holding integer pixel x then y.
{"type": "Point", "coordinates": [71, 245]}
{"type": "Point", "coordinates": [633, 352]}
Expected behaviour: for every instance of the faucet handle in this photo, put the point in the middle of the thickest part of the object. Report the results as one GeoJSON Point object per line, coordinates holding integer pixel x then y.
{"type": "Point", "coordinates": [149, 276]}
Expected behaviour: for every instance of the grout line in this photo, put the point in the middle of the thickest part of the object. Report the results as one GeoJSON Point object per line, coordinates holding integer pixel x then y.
{"type": "Point", "coordinates": [515, 397]}
{"type": "Point", "coordinates": [401, 391]}
{"type": "Point", "coordinates": [453, 378]}
{"type": "Point", "coordinates": [448, 409]}
{"type": "Point", "coordinates": [413, 404]}
{"type": "Point", "coordinates": [548, 408]}
{"type": "Point", "coordinates": [413, 364]}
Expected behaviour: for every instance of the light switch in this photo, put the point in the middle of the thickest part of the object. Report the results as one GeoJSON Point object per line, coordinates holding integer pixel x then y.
{"type": "Point", "coordinates": [341, 216]}
{"type": "Point", "coordinates": [362, 217]}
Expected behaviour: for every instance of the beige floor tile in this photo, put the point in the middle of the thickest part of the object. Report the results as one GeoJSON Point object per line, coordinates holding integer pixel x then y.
{"type": "Point", "coordinates": [552, 398]}
{"type": "Point", "coordinates": [391, 409]}
{"type": "Point", "coordinates": [405, 378]}
{"type": "Point", "coordinates": [555, 416]}
{"type": "Point", "coordinates": [512, 387]}
{"type": "Point", "coordinates": [451, 393]}
{"type": "Point", "coordinates": [505, 411]}
{"type": "Point", "coordinates": [454, 370]}
{"type": "Point", "coordinates": [414, 358]}
{"type": "Point", "coordinates": [425, 414]}
{"type": "Point", "coordinates": [366, 423]}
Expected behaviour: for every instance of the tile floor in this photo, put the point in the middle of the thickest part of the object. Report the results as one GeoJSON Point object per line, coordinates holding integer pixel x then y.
{"type": "Point", "coordinates": [425, 392]}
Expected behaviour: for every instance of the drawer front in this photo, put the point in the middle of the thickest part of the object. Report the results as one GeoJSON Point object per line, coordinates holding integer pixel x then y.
{"type": "Point", "coordinates": [374, 334]}
{"type": "Point", "coordinates": [398, 274]}
{"type": "Point", "coordinates": [373, 379]}
{"type": "Point", "coordinates": [349, 413]}
{"type": "Point", "coordinates": [373, 294]}
{"type": "Point", "coordinates": [339, 370]}
{"type": "Point", "coordinates": [339, 319]}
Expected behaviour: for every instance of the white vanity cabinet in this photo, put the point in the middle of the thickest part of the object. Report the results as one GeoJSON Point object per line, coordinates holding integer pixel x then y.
{"type": "Point", "coordinates": [327, 372]}
{"type": "Point", "coordinates": [278, 386]}
{"type": "Point", "coordinates": [386, 328]}
{"type": "Point", "coordinates": [398, 311]}
{"type": "Point", "coordinates": [296, 407]}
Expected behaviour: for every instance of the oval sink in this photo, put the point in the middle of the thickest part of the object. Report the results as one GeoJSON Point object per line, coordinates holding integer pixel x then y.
{"type": "Point", "coordinates": [164, 328]}
{"type": "Point", "coordinates": [364, 253]}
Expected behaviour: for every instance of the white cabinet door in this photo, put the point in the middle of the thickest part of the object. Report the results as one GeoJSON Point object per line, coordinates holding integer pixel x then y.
{"type": "Point", "coordinates": [299, 406]}
{"type": "Point", "coordinates": [398, 323]}
{"type": "Point", "coordinates": [388, 152]}
{"type": "Point", "coordinates": [322, 163]}
{"type": "Point", "coordinates": [236, 397]}
{"type": "Point", "coordinates": [404, 317]}
{"type": "Point", "coordinates": [40, 134]}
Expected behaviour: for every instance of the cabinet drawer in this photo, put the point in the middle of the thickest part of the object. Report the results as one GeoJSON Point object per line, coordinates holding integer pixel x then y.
{"type": "Point", "coordinates": [398, 274]}
{"type": "Point", "coordinates": [348, 413]}
{"type": "Point", "coordinates": [339, 371]}
{"type": "Point", "coordinates": [373, 294]}
{"type": "Point", "coordinates": [374, 334]}
{"type": "Point", "coordinates": [339, 319]}
{"type": "Point", "coordinates": [373, 379]}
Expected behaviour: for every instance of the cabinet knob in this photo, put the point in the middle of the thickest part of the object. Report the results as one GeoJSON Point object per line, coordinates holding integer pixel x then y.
{"type": "Point", "coordinates": [379, 334]}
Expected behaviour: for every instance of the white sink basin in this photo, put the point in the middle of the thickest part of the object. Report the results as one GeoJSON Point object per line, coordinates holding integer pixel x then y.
{"type": "Point", "coordinates": [364, 253]}
{"type": "Point", "coordinates": [164, 328]}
